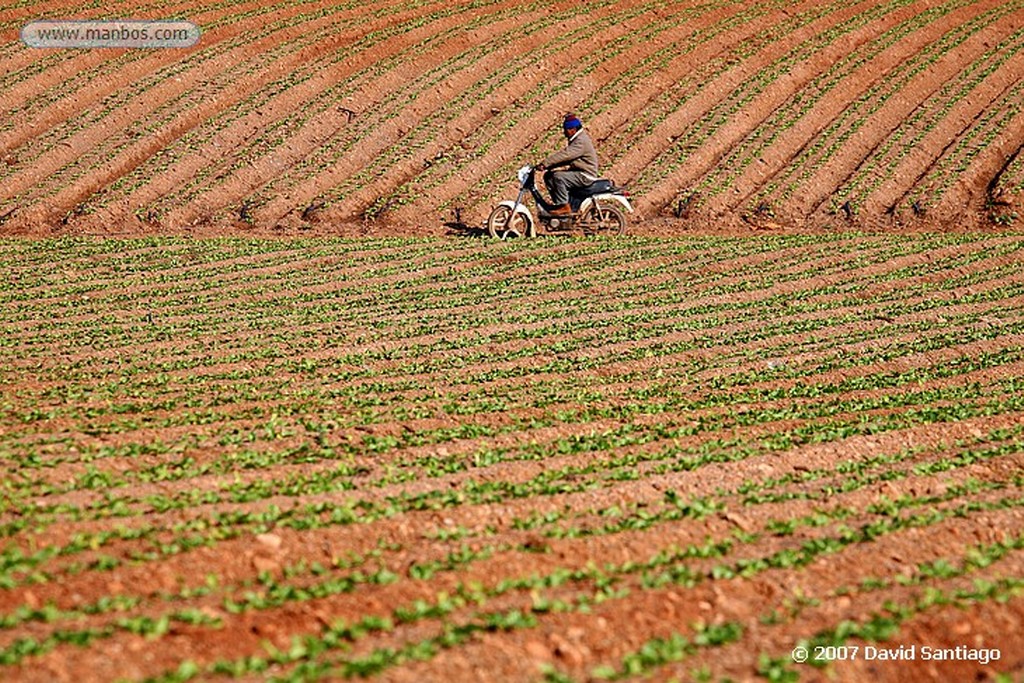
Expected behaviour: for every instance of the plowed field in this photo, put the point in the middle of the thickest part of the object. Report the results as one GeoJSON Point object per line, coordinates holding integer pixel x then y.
{"type": "Point", "coordinates": [401, 118]}
{"type": "Point", "coordinates": [449, 460]}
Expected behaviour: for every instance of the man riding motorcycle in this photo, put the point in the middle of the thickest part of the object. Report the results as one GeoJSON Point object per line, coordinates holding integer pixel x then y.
{"type": "Point", "coordinates": [574, 166]}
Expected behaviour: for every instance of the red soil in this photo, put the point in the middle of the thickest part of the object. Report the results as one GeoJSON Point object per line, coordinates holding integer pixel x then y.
{"type": "Point", "coordinates": [886, 336]}
{"type": "Point", "coordinates": [190, 173]}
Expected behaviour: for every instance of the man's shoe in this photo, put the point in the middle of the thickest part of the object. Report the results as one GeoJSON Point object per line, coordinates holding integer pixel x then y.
{"type": "Point", "coordinates": [563, 210]}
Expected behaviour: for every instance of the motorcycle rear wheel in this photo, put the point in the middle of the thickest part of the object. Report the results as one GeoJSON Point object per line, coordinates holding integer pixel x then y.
{"type": "Point", "coordinates": [607, 219]}
{"type": "Point", "coordinates": [504, 224]}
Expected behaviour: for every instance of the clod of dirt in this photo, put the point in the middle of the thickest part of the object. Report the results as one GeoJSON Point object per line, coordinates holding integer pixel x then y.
{"type": "Point", "coordinates": [742, 523]}
{"type": "Point", "coordinates": [536, 544]}
{"type": "Point", "coordinates": [266, 565]}
{"type": "Point", "coordinates": [538, 650]}
{"type": "Point", "coordinates": [271, 541]}
{"type": "Point", "coordinates": [572, 653]}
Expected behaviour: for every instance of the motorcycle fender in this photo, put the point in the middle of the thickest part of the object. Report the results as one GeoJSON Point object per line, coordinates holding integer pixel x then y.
{"type": "Point", "coordinates": [623, 201]}
{"type": "Point", "coordinates": [522, 211]}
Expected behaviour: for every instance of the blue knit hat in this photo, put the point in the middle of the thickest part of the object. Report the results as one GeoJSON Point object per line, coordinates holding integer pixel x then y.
{"type": "Point", "coordinates": [571, 122]}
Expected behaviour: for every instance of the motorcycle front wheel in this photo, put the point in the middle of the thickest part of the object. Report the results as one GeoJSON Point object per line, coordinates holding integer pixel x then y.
{"type": "Point", "coordinates": [504, 224]}
{"type": "Point", "coordinates": [607, 220]}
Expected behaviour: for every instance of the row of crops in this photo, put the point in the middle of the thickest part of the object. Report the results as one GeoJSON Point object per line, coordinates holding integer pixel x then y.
{"type": "Point", "coordinates": [295, 112]}
{"type": "Point", "coordinates": [558, 460]}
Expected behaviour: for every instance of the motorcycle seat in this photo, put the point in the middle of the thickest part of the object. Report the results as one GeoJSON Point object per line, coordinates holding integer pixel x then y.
{"type": "Point", "coordinates": [599, 186]}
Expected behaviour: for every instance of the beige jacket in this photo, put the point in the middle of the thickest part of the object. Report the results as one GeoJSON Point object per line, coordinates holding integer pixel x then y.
{"type": "Point", "coordinates": [580, 155]}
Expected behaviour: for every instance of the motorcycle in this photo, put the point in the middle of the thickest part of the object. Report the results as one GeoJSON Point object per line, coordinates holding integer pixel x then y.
{"type": "Point", "coordinates": [597, 209]}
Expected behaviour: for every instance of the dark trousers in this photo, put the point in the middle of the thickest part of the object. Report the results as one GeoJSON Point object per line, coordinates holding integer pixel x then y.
{"type": "Point", "coordinates": [559, 183]}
